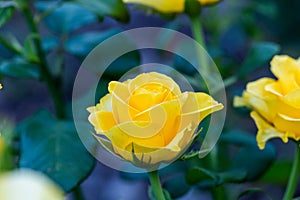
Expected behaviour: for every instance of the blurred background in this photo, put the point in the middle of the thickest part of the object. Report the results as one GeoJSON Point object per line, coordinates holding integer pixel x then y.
{"type": "Point", "coordinates": [241, 37]}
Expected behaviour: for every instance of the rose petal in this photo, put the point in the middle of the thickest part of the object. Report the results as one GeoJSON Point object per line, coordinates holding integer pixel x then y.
{"type": "Point", "coordinates": [166, 117]}
{"type": "Point", "coordinates": [102, 121]}
{"type": "Point", "coordinates": [266, 131]}
{"type": "Point", "coordinates": [153, 77]}
{"type": "Point", "coordinates": [166, 6]}
{"type": "Point", "coordinates": [208, 2]}
{"type": "Point", "coordinates": [288, 124]}
{"type": "Point", "coordinates": [285, 68]}
{"type": "Point", "coordinates": [196, 107]}
{"type": "Point", "coordinates": [293, 98]}
{"type": "Point", "coordinates": [149, 156]}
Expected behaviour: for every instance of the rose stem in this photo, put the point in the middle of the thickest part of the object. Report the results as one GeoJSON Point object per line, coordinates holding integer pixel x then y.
{"type": "Point", "coordinates": [198, 34]}
{"type": "Point", "coordinates": [156, 185]}
{"type": "Point", "coordinates": [294, 176]}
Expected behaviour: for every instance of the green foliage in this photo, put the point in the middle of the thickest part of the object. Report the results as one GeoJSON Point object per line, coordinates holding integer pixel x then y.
{"type": "Point", "coordinates": [81, 45]}
{"type": "Point", "coordinates": [113, 8]}
{"type": "Point", "coordinates": [20, 68]}
{"type": "Point", "coordinates": [7, 9]}
{"type": "Point", "coordinates": [153, 197]}
{"type": "Point", "coordinates": [54, 148]}
{"type": "Point", "coordinates": [242, 168]}
{"type": "Point", "coordinates": [7, 137]}
{"type": "Point", "coordinates": [176, 185]}
{"type": "Point", "coordinates": [67, 17]}
{"type": "Point", "coordinates": [260, 54]}
{"type": "Point", "coordinates": [249, 192]}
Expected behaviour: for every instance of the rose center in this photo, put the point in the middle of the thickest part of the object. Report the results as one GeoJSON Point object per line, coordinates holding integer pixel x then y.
{"type": "Point", "coordinates": [149, 95]}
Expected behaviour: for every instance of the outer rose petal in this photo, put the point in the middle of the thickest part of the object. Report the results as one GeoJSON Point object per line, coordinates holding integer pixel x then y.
{"type": "Point", "coordinates": [104, 105]}
{"type": "Point", "coordinates": [166, 6]}
{"type": "Point", "coordinates": [102, 121]}
{"type": "Point", "coordinates": [285, 69]}
{"type": "Point", "coordinates": [289, 125]}
{"type": "Point", "coordinates": [196, 107]}
{"type": "Point", "coordinates": [143, 156]}
{"type": "Point", "coordinates": [266, 131]}
{"type": "Point", "coordinates": [293, 98]}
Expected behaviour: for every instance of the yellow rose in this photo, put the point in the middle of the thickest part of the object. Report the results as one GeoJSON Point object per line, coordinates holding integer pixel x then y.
{"type": "Point", "coordinates": [148, 120]}
{"type": "Point", "coordinates": [27, 184]}
{"type": "Point", "coordinates": [275, 103]}
{"type": "Point", "coordinates": [168, 6]}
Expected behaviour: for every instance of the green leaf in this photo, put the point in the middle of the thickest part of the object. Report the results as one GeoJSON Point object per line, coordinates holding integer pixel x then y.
{"type": "Point", "coordinates": [176, 185]}
{"type": "Point", "coordinates": [7, 9]}
{"type": "Point", "coordinates": [251, 191]}
{"type": "Point", "coordinates": [249, 157]}
{"type": "Point", "coordinates": [102, 8]}
{"type": "Point", "coordinates": [67, 17]}
{"type": "Point", "coordinates": [6, 153]}
{"type": "Point", "coordinates": [29, 51]}
{"type": "Point", "coordinates": [238, 137]}
{"type": "Point", "coordinates": [254, 161]}
{"type": "Point", "coordinates": [232, 176]}
{"type": "Point", "coordinates": [83, 44]}
{"type": "Point", "coordinates": [260, 54]}
{"type": "Point", "coordinates": [54, 148]}
{"type": "Point", "coordinates": [197, 174]}
{"type": "Point", "coordinates": [19, 68]}
{"type": "Point", "coordinates": [49, 43]}
{"type": "Point", "coordinates": [278, 173]}
{"type": "Point", "coordinates": [11, 43]}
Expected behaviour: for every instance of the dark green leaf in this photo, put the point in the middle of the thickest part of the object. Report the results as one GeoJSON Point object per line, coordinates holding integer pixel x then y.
{"type": "Point", "coordinates": [176, 185]}
{"type": "Point", "coordinates": [259, 55]}
{"type": "Point", "coordinates": [238, 137]}
{"type": "Point", "coordinates": [232, 176]}
{"type": "Point", "coordinates": [29, 51]}
{"type": "Point", "coordinates": [49, 43]}
{"type": "Point", "coordinates": [7, 9]}
{"type": "Point", "coordinates": [252, 191]}
{"type": "Point", "coordinates": [102, 8]}
{"type": "Point", "coordinates": [67, 17]}
{"type": "Point", "coordinates": [19, 68]}
{"type": "Point", "coordinates": [82, 44]}
{"type": "Point", "coordinates": [278, 173]}
{"type": "Point", "coordinates": [11, 43]}
{"type": "Point", "coordinates": [54, 148]}
{"type": "Point", "coordinates": [196, 175]}
{"type": "Point", "coordinates": [254, 161]}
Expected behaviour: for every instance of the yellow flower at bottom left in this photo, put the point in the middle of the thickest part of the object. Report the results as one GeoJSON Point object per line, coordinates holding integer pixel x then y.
{"type": "Point", "coordinates": [28, 185]}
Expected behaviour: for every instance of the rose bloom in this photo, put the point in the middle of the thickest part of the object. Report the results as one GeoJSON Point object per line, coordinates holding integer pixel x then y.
{"type": "Point", "coordinates": [148, 120]}
{"type": "Point", "coordinates": [275, 103]}
{"type": "Point", "coordinates": [168, 6]}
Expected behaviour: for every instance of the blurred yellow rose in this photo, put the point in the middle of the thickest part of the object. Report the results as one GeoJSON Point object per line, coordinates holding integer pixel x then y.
{"type": "Point", "coordinates": [148, 120]}
{"type": "Point", "coordinates": [275, 103]}
{"type": "Point", "coordinates": [28, 185]}
{"type": "Point", "coordinates": [168, 6]}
